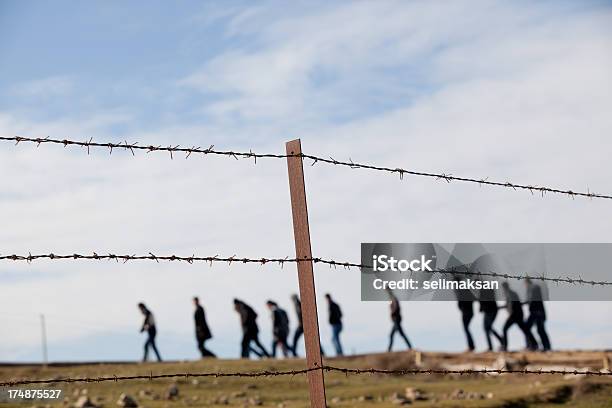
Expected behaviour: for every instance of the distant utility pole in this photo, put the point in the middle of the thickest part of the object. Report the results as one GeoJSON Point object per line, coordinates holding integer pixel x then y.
{"type": "Point", "coordinates": [43, 338]}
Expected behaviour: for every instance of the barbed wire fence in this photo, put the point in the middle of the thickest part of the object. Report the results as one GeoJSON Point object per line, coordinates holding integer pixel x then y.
{"type": "Point", "coordinates": [327, 368]}
{"type": "Point", "coordinates": [401, 172]}
{"type": "Point", "coordinates": [188, 152]}
{"type": "Point", "coordinates": [281, 262]}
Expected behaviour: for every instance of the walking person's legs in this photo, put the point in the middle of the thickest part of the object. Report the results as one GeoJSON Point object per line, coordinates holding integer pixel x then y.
{"type": "Point", "coordinates": [542, 333]}
{"type": "Point", "coordinates": [262, 349]}
{"type": "Point", "coordinates": [391, 336]}
{"type": "Point", "coordinates": [530, 341]}
{"type": "Point", "coordinates": [296, 336]}
{"type": "Point", "coordinates": [488, 323]}
{"type": "Point", "coordinates": [246, 341]}
{"type": "Point", "coordinates": [467, 318]}
{"type": "Point", "coordinates": [489, 318]}
{"type": "Point", "coordinates": [283, 343]}
{"type": "Point", "coordinates": [509, 322]}
{"type": "Point", "coordinates": [153, 346]}
{"type": "Point", "coordinates": [200, 343]}
{"type": "Point", "coordinates": [146, 350]}
{"type": "Point", "coordinates": [336, 329]}
{"type": "Point", "coordinates": [401, 332]}
{"type": "Point", "coordinates": [206, 352]}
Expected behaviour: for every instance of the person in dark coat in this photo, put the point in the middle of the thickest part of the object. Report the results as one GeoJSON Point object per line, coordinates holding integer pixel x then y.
{"type": "Point", "coordinates": [335, 320]}
{"type": "Point", "coordinates": [280, 328]}
{"type": "Point", "coordinates": [515, 311]}
{"type": "Point", "coordinates": [488, 306]}
{"type": "Point", "coordinates": [537, 313]}
{"type": "Point", "coordinates": [396, 319]}
{"type": "Point", "coordinates": [250, 331]}
{"type": "Point", "coordinates": [299, 330]}
{"type": "Point", "coordinates": [148, 325]}
{"type": "Point", "coordinates": [201, 329]}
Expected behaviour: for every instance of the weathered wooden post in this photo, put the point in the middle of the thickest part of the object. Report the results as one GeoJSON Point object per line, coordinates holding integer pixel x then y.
{"type": "Point", "coordinates": [301, 234]}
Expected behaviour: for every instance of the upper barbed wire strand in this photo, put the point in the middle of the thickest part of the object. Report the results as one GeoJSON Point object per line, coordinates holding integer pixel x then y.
{"type": "Point", "coordinates": [281, 261]}
{"type": "Point", "coordinates": [188, 151]}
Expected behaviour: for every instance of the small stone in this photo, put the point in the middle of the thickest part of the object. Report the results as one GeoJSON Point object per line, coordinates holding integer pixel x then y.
{"type": "Point", "coordinates": [172, 392]}
{"type": "Point", "coordinates": [397, 399]}
{"type": "Point", "coordinates": [489, 395]}
{"type": "Point", "coordinates": [457, 394]}
{"type": "Point", "coordinates": [363, 398]}
{"type": "Point", "coordinates": [255, 401]}
{"type": "Point", "coordinates": [84, 402]}
{"type": "Point", "coordinates": [145, 393]}
{"type": "Point", "coordinates": [238, 394]}
{"type": "Point", "coordinates": [414, 394]}
{"type": "Point", "coordinates": [126, 401]}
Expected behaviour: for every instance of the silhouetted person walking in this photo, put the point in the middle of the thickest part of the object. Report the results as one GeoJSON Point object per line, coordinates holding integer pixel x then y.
{"type": "Point", "coordinates": [149, 325]}
{"type": "Point", "coordinates": [396, 319]}
{"type": "Point", "coordinates": [515, 310]}
{"type": "Point", "coordinates": [299, 330]}
{"type": "Point", "coordinates": [250, 331]}
{"type": "Point", "coordinates": [201, 329]}
{"type": "Point", "coordinates": [537, 314]}
{"type": "Point", "coordinates": [488, 306]}
{"type": "Point", "coordinates": [280, 328]}
{"type": "Point", "coordinates": [335, 320]}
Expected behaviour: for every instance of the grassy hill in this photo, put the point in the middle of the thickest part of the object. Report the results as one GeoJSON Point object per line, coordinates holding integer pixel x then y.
{"type": "Point", "coordinates": [508, 390]}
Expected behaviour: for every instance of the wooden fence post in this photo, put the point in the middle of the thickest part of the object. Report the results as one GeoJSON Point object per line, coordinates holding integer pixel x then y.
{"type": "Point", "coordinates": [301, 234]}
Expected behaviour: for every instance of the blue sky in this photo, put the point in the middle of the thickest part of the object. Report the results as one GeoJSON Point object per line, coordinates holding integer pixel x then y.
{"type": "Point", "coordinates": [515, 91]}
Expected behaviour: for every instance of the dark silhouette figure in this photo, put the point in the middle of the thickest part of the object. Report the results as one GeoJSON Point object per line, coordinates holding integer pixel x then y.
{"type": "Point", "coordinates": [488, 306]}
{"type": "Point", "coordinates": [396, 319]}
{"type": "Point", "coordinates": [149, 325]}
{"type": "Point", "coordinates": [335, 320]}
{"type": "Point", "coordinates": [299, 330]}
{"type": "Point", "coordinates": [515, 310]}
{"type": "Point", "coordinates": [280, 328]}
{"type": "Point", "coordinates": [201, 329]}
{"type": "Point", "coordinates": [250, 331]}
{"type": "Point", "coordinates": [537, 313]}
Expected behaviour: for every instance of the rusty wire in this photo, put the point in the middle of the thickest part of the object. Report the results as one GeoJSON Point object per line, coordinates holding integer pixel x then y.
{"type": "Point", "coordinates": [269, 373]}
{"type": "Point", "coordinates": [188, 151]}
{"type": "Point", "coordinates": [281, 261]}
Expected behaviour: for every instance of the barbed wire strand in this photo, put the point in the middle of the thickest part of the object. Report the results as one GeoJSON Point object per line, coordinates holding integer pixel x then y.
{"type": "Point", "coordinates": [281, 261]}
{"type": "Point", "coordinates": [188, 151]}
{"type": "Point", "coordinates": [268, 373]}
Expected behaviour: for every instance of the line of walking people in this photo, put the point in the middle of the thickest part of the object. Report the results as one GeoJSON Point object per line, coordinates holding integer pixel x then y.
{"type": "Point", "coordinates": [514, 307]}
{"type": "Point", "coordinates": [250, 342]}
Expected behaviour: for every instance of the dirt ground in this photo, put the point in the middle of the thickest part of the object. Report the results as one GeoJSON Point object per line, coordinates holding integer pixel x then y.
{"type": "Point", "coordinates": [506, 390]}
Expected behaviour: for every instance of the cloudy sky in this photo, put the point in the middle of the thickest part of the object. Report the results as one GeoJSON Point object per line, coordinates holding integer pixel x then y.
{"type": "Point", "coordinates": [514, 91]}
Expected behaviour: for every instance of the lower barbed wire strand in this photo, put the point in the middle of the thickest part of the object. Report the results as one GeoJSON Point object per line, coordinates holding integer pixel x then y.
{"type": "Point", "coordinates": [328, 368]}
